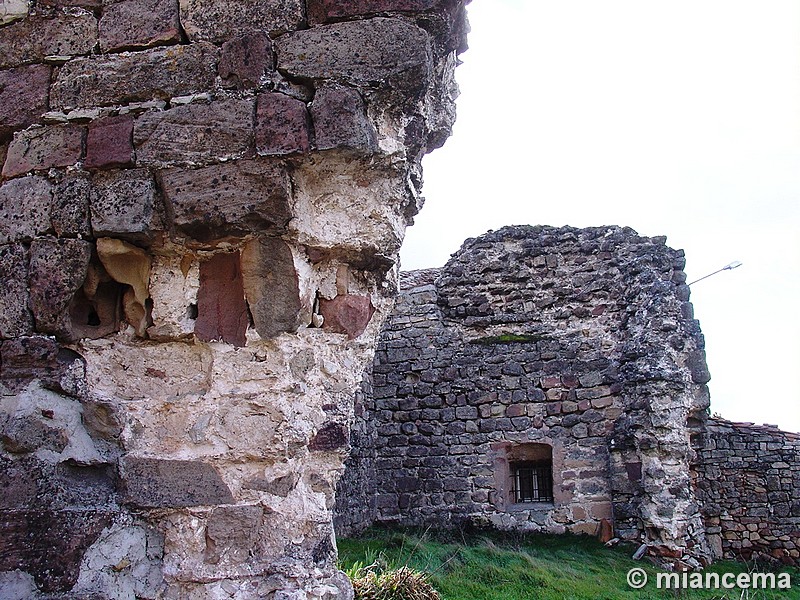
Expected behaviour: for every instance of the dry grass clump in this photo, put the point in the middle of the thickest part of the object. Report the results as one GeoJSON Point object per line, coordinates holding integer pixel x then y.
{"type": "Point", "coordinates": [396, 584]}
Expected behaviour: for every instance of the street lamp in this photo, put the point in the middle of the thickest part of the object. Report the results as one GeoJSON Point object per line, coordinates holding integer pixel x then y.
{"type": "Point", "coordinates": [728, 267]}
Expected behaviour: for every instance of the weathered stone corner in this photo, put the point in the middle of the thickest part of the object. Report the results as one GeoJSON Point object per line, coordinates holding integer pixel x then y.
{"type": "Point", "coordinates": [201, 206]}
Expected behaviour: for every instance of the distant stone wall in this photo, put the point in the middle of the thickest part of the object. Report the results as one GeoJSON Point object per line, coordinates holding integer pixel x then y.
{"type": "Point", "coordinates": [748, 479]}
{"type": "Point", "coordinates": [579, 339]}
{"type": "Point", "coordinates": [201, 207]}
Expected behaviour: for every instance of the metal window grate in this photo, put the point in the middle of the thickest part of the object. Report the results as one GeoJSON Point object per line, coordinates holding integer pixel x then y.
{"type": "Point", "coordinates": [533, 482]}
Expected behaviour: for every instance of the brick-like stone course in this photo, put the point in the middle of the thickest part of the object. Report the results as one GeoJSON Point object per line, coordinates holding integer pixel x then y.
{"type": "Point", "coordinates": [229, 199]}
{"type": "Point", "coordinates": [194, 134]}
{"type": "Point", "coordinates": [747, 478]}
{"type": "Point", "coordinates": [385, 48]}
{"type": "Point", "coordinates": [135, 77]}
{"type": "Point", "coordinates": [219, 21]}
{"type": "Point", "coordinates": [24, 208]}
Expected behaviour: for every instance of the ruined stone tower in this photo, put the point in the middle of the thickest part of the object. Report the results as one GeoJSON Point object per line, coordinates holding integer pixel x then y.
{"type": "Point", "coordinates": [550, 379]}
{"type": "Point", "coordinates": [200, 213]}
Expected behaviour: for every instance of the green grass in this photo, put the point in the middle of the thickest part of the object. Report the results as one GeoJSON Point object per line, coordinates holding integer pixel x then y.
{"type": "Point", "coordinates": [494, 566]}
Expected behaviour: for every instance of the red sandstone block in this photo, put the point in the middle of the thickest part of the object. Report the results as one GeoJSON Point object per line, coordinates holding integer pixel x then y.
{"type": "Point", "coordinates": [245, 59]}
{"type": "Point", "coordinates": [43, 148]}
{"type": "Point", "coordinates": [282, 125]}
{"type": "Point", "coordinates": [322, 11]}
{"type": "Point", "coordinates": [139, 24]}
{"type": "Point", "coordinates": [221, 307]}
{"type": "Point", "coordinates": [331, 436]}
{"type": "Point", "coordinates": [23, 97]}
{"type": "Point", "coordinates": [109, 142]}
{"type": "Point", "coordinates": [348, 314]}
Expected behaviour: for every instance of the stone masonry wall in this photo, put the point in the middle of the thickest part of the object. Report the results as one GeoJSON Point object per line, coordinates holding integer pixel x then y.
{"type": "Point", "coordinates": [581, 339]}
{"type": "Point", "coordinates": [748, 479]}
{"type": "Point", "coordinates": [201, 206]}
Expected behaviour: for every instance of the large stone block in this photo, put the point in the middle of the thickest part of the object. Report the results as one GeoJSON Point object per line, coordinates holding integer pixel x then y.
{"type": "Point", "coordinates": [23, 97]}
{"type": "Point", "coordinates": [34, 38]}
{"type": "Point", "coordinates": [245, 60]}
{"type": "Point", "coordinates": [136, 77]}
{"type": "Point", "coordinates": [231, 532]}
{"type": "Point", "coordinates": [340, 120]}
{"type": "Point", "coordinates": [229, 199]}
{"type": "Point", "coordinates": [271, 286]}
{"type": "Point", "coordinates": [109, 142]}
{"type": "Point", "coordinates": [57, 270]}
{"type": "Point", "coordinates": [159, 373]}
{"type": "Point", "coordinates": [122, 203]}
{"type": "Point", "coordinates": [360, 52]}
{"type": "Point", "coordinates": [195, 133]}
{"type": "Point", "coordinates": [133, 24]}
{"type": "Point", "coordinates": [221, 308]}
{"type": "Point", "coordinates": [158, 483]}
{"type": "Point", "coordinates": [15, 319]}
{"type": "Point", "coordinates": [218, 21]}
{"type": "Point", "coordinates": [24, 208]}
{"type": "Point", "coordinates": [55, 542]}
{"type": "Point", "coordinates": [28, 433]}
{"type": "Point", "coordinates": [43, 148]}
{"type": "Point", "coordinates": [69, 210]}
{"type": "Point", "coordinates": [696, 361]}
{"type": "Point", "coordinates": [34, 357]}
{"type": "Point", "coordinates": [282, 125]}
{"type": "Point", "coordinates": [13, 10]}
{"type": "Point", "coordinates": [322, 11]}
{"type": "Point", "coordinates": [87, 4]}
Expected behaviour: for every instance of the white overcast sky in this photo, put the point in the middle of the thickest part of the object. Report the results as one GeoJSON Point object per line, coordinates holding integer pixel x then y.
{"type": "Point", "coordinates": [677, 118]}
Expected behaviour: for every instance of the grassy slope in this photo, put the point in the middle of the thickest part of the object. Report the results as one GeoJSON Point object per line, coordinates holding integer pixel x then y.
{"type": "Point", "coordinates": [533, 567]}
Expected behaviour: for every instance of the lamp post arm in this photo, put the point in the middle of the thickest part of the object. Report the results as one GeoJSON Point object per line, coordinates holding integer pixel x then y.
{"type": "Point", "coordinates": [728, 267]}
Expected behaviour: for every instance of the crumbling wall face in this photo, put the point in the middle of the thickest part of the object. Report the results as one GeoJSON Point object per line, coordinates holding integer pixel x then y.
{"type": "Point", "coordinates": [200, 211]}
{"type": "Point", "coordinates": [355, 506]}
{"type": "Point", "coordinates": [747, 478]}
{"type": "Point", "coordinates": [580, 339]}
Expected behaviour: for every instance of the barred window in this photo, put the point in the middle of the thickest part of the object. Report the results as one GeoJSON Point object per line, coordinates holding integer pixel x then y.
{"type": "Point", "coordinates": [532, 481]}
